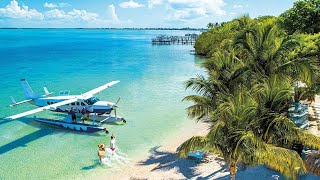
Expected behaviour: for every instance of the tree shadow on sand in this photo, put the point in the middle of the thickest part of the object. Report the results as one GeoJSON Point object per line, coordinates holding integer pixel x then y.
{"type": "Point", "coordinates": [188, 168]}
{"type": "Point", "coordinates": [168, 160]}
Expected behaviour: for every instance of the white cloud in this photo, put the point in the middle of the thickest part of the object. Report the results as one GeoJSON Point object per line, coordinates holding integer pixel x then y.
{"type": "Point", "coordinates": [237, 6]}
{"type": "Point", "coordinates": [64, 4]}
{"type": "Point", "coordinates": [55, 14]}
{"type": "Point", "coordinates": [14, 15]}
{"type": "Point", "coordinates": [130, 4]}
{"type": "Point", "coordinates": [13, 10]}
{"type": "Point", "coordinates": [52, 5]}
{"type": "Point", "coordinates": [191, 9]}
{"type": "Point", "coordinates": [71, 15]}
{"type": "Point", "coordinates": [152, 3]}
{"type": "Point", "coordinates": [112, 11]}
{"type": "Point", "coordinates": [186, 13]}
{"type": "Point", "coordinates": [83, 15]}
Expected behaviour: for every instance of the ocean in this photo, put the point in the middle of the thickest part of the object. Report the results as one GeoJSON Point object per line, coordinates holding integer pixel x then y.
{"type": "Point", "coordinates": [151, 90]}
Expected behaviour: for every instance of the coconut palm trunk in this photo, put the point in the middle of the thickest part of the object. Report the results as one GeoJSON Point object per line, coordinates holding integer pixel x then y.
{"type": "Point", "coordinates": [233, 170]}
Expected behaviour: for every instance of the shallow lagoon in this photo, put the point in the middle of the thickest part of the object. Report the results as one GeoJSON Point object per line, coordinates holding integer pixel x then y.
{"type": "Point", "coordinates": [151, 90]}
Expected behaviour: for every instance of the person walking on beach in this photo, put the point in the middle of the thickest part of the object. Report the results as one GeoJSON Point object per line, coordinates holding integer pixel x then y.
{"type": "Point", "coordinates": [113, 143]}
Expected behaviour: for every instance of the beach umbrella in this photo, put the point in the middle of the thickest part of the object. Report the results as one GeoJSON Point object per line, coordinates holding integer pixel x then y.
{"type": "Point", "coordinates": [312, 162]}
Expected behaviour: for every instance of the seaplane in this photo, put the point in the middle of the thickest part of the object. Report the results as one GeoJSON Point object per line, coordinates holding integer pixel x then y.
{"type": "Point", "coordinates": [87, 106]}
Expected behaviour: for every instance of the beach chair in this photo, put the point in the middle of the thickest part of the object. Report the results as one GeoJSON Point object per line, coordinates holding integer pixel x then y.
{"type": "Point", "coordinates": [196, 155]}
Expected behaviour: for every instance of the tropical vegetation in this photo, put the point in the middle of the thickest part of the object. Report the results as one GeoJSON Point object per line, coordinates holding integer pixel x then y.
{"type": "Point", "coordinates": [304, 17]}
{"type": "Point", "coordinates": [252, 66]}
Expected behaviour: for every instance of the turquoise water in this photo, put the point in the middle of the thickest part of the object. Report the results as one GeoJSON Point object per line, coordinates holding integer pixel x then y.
{"type": "Point", "coordinates": [151, 90]}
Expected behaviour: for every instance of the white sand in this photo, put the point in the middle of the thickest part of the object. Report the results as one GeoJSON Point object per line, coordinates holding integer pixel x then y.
{"type": "Point", "coordinates": [162, 163]}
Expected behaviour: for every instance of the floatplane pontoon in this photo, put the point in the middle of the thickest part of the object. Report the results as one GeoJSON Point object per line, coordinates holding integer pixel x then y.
{"type": "Point", "coordinates": [86, 106]}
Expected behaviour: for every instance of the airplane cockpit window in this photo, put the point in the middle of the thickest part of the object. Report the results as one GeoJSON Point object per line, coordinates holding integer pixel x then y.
{"type": "Point", "coordinates": [82, 104]}
{"type": "Point", "coordinates": [78, 104]}
{"type": "Point", "coordinates": [92, 100]}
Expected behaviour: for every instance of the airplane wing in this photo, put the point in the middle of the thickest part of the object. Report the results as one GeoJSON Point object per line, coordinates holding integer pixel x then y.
{"type": "Point", "coordinates": [97, 90]}
{"type": "Point", "coordinates": [52, 106]}
{"type": "Point", "coordinates": [21, 102]}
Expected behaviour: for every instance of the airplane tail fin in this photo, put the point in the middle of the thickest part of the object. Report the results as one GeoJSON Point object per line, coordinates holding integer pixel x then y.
{"type": "Point", "coordinates": [45, 89]}
{"type": "Point", "coordinates": [46, 92]}
{"type": "Point", "coordinates": [28, 92]}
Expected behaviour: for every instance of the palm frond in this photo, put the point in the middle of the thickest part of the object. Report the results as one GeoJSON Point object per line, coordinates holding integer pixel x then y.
{"type": "Point", "coordinates": [201, 107]}
{"type": "Point", "coordinates": [202, 86]}
{"type": "Point", "coordinates": [285, 161]}
{"type": "Point", "coordinates": [309, 140]}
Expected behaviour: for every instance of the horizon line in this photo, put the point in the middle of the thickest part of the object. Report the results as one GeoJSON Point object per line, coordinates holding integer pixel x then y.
{"type": "Point", "coordinates": [104, 28]}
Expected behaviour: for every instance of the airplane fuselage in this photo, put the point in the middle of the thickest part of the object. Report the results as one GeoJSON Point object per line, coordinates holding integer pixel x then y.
{"type": "Point", "coordinates": [84, 103]}
{"type": "Point", "coordinates": [92, 105]}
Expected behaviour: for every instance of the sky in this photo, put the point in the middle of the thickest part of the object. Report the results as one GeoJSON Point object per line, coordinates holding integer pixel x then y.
{"type": "Point", "coordinates": [131, 13]}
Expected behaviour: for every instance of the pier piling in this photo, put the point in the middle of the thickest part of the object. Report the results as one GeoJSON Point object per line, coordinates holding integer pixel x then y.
{"type": "Point", "coordinates": [167, 40]}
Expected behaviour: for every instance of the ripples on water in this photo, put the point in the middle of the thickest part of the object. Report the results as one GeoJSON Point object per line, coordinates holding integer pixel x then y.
{"type": "Point", "coordinates": [151, 90]}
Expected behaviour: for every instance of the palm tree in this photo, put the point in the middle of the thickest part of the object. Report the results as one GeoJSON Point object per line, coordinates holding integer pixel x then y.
{"type": "Point", "coordinates": [268, 51]}
{"type": "Point", "coordinates": [226, 69]}
{"type": "Point", "coordinates": [234, 136]}
{"type": "Point", "coordinates": [205, 102]}
{"type": "Point", "coordinates": [223, 70]}
{"type": "Point", "coordinates": [246, 96]}
{"type": "Point", "coordinates": [272, 121]}
{"type": "Point", "coordinates": [251, 126]}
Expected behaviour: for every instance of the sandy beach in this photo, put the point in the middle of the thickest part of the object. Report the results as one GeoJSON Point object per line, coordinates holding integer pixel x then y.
{"type": "Point", "coordinates": [163, 163]}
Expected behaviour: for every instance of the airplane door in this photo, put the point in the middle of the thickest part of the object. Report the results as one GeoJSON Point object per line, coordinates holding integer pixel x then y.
{"type": "Point", "coordinates": [78, 107]}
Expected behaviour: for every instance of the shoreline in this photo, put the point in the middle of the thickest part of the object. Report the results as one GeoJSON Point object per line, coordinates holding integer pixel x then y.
{"type": "Point", "coordinates": [161, 161]}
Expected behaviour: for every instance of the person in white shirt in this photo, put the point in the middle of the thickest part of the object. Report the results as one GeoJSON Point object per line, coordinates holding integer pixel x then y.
{"type": "Point", "coordinates": [113, 143]}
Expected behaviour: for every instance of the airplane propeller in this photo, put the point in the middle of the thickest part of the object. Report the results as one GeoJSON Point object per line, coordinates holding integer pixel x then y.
{"type": "Point", "coordinates": [115, 107]}
{"type": "Point", "coordinates": [117, 102]}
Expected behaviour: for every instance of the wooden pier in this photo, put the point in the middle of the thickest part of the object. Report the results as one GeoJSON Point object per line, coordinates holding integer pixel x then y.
{"type": "Point", "coordinates": [167, 40]}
